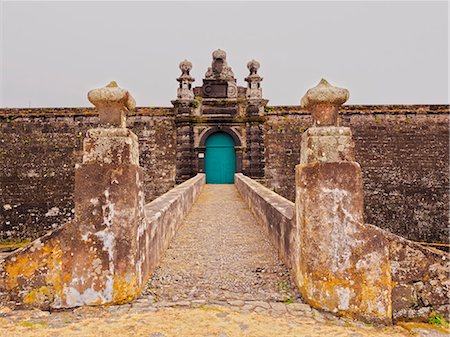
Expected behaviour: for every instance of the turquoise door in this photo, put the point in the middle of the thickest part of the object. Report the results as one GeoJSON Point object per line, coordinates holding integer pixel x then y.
{"type": "Point", "coordinates": [220, 161]}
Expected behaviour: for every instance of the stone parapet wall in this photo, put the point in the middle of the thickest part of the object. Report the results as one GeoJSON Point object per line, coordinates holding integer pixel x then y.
{"type": "Point", "coordinates": [420, 279]}
{"type": "Point", "coordinates": [109, 262]}
{"type": "Point", "coordinates": [163, 216]}
{"type": "Point", "coordinates": [275, 213]}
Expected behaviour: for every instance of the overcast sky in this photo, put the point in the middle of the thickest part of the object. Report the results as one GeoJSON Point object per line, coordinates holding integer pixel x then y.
{"type": "Point", "coordinates": [383, 52]}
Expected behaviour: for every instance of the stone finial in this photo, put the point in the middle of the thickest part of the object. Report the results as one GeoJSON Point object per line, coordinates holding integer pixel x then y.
{"type": "Point", "coordinates": [254, 90]}
{"type": "Point", "coordinates": [185, 91]}
{"type": "Point", "coordinates": [219, 67]}
{"type": "Point", "coordinates": [112, 104]}
{"type": "Point", "coordinates": [185, 67]}
{"type": "Point", "coordinates": [323, 101]}
{"type": "Point", "coordinates": [253, 67]}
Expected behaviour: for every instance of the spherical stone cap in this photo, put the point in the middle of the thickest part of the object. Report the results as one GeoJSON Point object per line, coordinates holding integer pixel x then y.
{"type": "Point", "coordinates": [219, 54]}
{"type": "Point", "coordinates": [185, 65]}
{"type": "Point", "coordinates": [110, 95]}
{"type": "Point", "coordinates": [324, 92]}
{"type": "Point", "coordinates": [253, 64]}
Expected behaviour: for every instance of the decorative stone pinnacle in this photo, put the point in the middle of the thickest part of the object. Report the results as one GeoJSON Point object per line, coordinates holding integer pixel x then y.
{"type": "Point", "coordinates": [253, 66]}
{"type": "Point", "coordinates": [254, 90]}
{"type": "Point", "coordinates": [185, 91]}
{"type": "Point", "coordinates": [112, 104]}
{"type": "Point", "coordinates": [185, 66]}
{"type": "Point", "coordinates": [219, 69]}
{"type": "Point", "coordinates": [323, 101]}
{"type": "Point", "coordinates": [219, 54]}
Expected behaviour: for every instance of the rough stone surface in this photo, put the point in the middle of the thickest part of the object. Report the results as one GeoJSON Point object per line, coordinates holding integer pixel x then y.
{"type": "Point", "coordinates": [327, 144]}
{"type": "Point", "coordinates": [221, 253]}
{"type": "Point", "coordinates": [420, 279]}
{"type": "Point", "coordinates": [343, 264]}
{"type": "Point", "coordinates": [87, 261]}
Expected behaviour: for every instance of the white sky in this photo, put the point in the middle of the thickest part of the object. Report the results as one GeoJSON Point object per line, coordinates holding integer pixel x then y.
{"type": "Point", "coordinates": [383, 52]}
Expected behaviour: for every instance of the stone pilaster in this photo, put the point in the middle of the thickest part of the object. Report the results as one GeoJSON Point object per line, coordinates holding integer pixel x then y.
{"type": "Point", "coordinates": [343, 265]}
{"type": "Point", "coordinates": [185, 160]}
{"type": "Point", "coordinates": [255, 150]}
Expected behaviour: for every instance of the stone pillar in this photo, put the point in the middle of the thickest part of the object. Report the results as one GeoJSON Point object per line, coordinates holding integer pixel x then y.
{"type": "Point", "coordinates": [343, 265]}
{"type": "Point", "coordinates": [94, 258]}
{"type": "Point", "coordinates": [109, 202]}
{"type": "Point", "coordinates": [185, 107]}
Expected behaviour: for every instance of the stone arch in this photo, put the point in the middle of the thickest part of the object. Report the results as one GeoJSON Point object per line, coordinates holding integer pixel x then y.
{"type": "Point", "coordinates": [208, 132]}
{"type": "Point", "coordinates": [201, 147]}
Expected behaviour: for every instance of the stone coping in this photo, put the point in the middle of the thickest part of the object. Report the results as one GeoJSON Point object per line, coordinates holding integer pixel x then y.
{"type": "Point", "coordinates": [156, 208]}
{"type": "Point", "coordinates": [275, 110]}
{"type": "Point", "coordinates": [282, 205]}
{"type": "Point", "coordinates": [275, 214]}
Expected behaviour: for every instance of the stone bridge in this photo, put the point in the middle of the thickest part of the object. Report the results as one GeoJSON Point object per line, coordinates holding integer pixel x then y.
{"type": "Point", "coordinates": [235, 242]}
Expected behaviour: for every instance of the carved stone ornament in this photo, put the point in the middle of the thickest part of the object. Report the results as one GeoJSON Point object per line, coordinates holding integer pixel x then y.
{"type": "Point", "coordinates": [254, 90]}
{"type": "Point", "coordinates": [324, 101]}
{"type": "Point", "coordinates": [111, 95]}
{"type": "Point", "coordinates": [185, 90]}
{"type": "Point", "coordinates": [219, 68]}
{"type": "Point", "coordinates": [112, 103]}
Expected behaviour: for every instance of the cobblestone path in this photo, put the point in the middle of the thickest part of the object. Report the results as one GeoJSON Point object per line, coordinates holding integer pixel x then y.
{"type": "Point", "coordinates": [221, 253]}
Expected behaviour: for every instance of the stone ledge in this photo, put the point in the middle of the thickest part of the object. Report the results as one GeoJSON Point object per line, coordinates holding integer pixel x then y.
{"type": "Point", "coordinates": [163, 216]}
{"type": "Point", "coordinates": [274, 212]}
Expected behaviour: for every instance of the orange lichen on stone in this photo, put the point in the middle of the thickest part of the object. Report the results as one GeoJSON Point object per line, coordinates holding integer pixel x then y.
{"type": "Point", "coordinates": [126, 288]}
{"type": "Point", "coordinates": [39, 295]}
{"type": "Point", "coordinates": [38, 270]}
{"type": "Point", "coordinates": [23, 266]}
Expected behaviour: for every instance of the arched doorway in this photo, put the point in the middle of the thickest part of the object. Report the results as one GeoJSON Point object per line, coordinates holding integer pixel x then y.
{"type": "Point", "coordinates": [220, 159]}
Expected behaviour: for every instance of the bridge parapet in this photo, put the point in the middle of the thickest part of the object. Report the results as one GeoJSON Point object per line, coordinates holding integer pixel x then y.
{"type": "Point", "coordinates": [275, 213]}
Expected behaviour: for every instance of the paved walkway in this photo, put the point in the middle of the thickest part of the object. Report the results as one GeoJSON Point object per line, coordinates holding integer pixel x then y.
{"type": "Point", "coordinates": [221, 253]}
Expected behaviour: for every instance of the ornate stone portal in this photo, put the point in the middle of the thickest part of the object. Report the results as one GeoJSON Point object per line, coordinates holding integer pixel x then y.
{"type": "Point", "coordinates": [219, 105]}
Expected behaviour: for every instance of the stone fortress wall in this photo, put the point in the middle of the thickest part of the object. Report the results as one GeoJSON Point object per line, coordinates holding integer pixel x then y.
{"type": "Point", "coordinates": [403, 151]}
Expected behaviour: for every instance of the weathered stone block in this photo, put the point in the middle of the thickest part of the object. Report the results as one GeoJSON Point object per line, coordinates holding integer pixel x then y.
{"type": "Point", "coordinates": [327, 144]}
{"type": "Point", "coordinates": [343, 264]}
{"type": "Point", "coordinates": [111, 146]}
{"type": "Point", "coordinates": [403, 296]}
